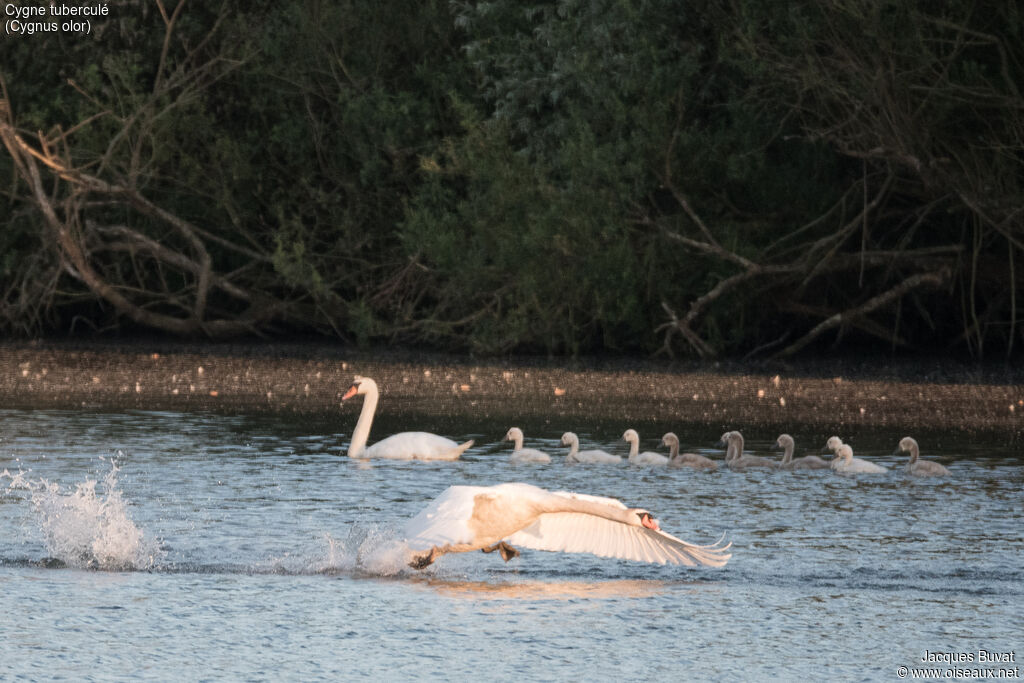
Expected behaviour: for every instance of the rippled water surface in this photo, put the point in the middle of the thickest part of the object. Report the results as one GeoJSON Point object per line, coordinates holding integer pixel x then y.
{"type": "Point", "coordinates": [148, 545]}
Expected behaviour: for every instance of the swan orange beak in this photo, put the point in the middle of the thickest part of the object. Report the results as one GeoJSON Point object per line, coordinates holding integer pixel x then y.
{"type": "Point", "coordinates": [352, 390]}
{"type": "Point", "coordinates": [650, 522]}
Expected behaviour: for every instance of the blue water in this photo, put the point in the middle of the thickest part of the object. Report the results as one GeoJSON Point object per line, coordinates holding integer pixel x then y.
{"type": "Point", "coordinates": [194, 546]}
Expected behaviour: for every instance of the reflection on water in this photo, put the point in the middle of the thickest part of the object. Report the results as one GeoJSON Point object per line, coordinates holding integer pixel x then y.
{"type": "Point", "coordinates": [255, 549]}
{"type": "Point", "coordinates": [541, 590]}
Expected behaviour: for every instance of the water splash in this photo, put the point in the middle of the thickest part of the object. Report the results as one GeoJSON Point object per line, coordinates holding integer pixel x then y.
{"type": "Point", "coordinates": [88, 527]}
{"type": "Point", "coordinates": [366, 550]}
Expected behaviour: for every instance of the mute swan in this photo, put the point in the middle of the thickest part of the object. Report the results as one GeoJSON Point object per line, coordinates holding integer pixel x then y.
{"type": "Point", "coordinates": [845, 462]}
{"type": "Point", "coordinates": [402, 446]}
{"type": "Point", "coordinates": [918, 467]}
{"type": "Point", "coordinates": [576, 455]}
{"type": "Point", "coordinates": [524, 455]}
{"type": "Point", "coordinates": [638, 458]}
{"type": "Point", "coordinates": [490, 518]}
{"type": "Point", "coordinates": [734, 457]}
{"type": "Point", "coordinates": [677, 459]}
{"type": "Point", "coordinates": [808, 462]}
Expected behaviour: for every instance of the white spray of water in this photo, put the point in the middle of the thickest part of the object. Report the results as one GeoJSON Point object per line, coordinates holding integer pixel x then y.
{"type": "Point", "coordinates": [89, 527]}
{"type": "Point", "coordinates": [366, 550]}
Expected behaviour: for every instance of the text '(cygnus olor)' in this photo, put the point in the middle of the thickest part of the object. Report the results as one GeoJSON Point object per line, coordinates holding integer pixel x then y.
{"type": "Point", "coordinates": [845, 462]}
{"type": "Point", "coordinates": [808, 462]}
{"type": "Point", "coordinates": [916, 466]}
{"type": "Point", "coordinates": [524, 455]}
{"type": "Point", "coordinates": [490, 518]}
{"type": "Point", "coordinates": [636, 457]}
{"type": "Point", "coordinates": [402, 446]}
{"type": "Point", "coordinates": [734, 458]}
{"type": "Point", "coordinates": [592, 456]}
{"type": "Point", "coordinates": [677, 459]}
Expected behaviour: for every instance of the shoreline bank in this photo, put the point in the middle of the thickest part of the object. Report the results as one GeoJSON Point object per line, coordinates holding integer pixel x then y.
{"type": "Point", "coordinates": [289, 379]}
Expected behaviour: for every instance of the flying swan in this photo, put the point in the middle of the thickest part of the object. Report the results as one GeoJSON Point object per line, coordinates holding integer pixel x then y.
{"type": "Point", "coordinates": [592, 457]}
{"type": "Point", "coordinates": [638, 458]}
{"type": "Point", "coordinates": [524, 455]}
{"type": "Point", "coordinates": [916, 466]}
{"type": "Point", "coordinates": [402, 446]}
{"type": "Point", "coordinates": [677, 459]}
{"type": "Point", "coordinates": [808, 462]}
{"type": "Point", "coordinates": [490, 518]}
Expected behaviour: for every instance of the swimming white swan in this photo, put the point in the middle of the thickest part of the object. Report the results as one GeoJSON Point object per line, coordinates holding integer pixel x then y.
{"type": "Point", "coordinates": [594, 457]}
{"type": "Point", "coordinates": [402, 446]}
{"type": "Point", "coordinates": [638, 458]}
{"type": "Point", "coordinates": [490, 518]}
{"type": "Point", "coordinates": [677, 459]}
{"type": "Point", "coordinates": [918, 467]}
{"type": "Point", "coordinates": [524, 455]}
{"type": "Point", "coordinates": [808, 462]}
{"type": "Point", "coordinates": [734, 457]}
{"type": "Point", "coordinates": [845, 462]}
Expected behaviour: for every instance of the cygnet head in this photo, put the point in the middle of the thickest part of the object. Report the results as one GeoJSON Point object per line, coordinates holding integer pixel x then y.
{"type": "Point", "coordinates": [728, 437]}
{"type": "Point", "coordinates": [569, 438]}
{"type": "Point", "coordinates": [630, 436]}
{"type": "Point", "coordinates": [514, 434]}
{"type": "Point", "coordinates": [785, 441]}
{"type": "Point", "coordinates": [907, 444]}
{"type": "Point", "coordinates": [833, 444]}
{"type": "Point", "coordinates": [360, 385]}
{"type": "Point", "coordinates": [670, 439]}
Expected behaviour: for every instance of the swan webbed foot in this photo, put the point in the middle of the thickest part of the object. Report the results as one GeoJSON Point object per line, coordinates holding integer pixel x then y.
{"type": "Point", "coordinates": [507, 551]}
{"type": "Point", "coordinates": [422, 561]}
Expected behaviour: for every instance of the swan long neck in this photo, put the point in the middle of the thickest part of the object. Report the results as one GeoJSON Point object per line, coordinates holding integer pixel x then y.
{"type": "Point", "coordinates": [574, 447]}
{"type": "Point", "coordinates": [673, 450]}
{"type": "Point", "coordinates": [915, 453]}
{"type": "Point", "coordinates": [787, 457]}
{"type": "Point", "coordinates": [362, 431]}
{"type": "Point", "coordinates": [735, 447]}
{"type": "Point", "coordinates": [634, 448]}
{"type": "Point", "coordinates": [517, 442]}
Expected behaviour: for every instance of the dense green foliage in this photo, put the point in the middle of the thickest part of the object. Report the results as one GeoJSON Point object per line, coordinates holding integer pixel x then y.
{"type": "Point", "coordinates": [565, 177]}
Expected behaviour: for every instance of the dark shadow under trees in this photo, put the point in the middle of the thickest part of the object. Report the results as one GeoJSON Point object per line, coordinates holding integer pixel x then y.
{"type": "Point", "coordinates": [710, 179]}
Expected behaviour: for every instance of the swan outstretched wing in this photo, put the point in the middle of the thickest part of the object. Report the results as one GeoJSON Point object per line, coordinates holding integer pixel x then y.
{"type": "Point", "coordinates": [578, 532]}
{"type": "Point", "coordinates": [613, 502]}
{"type": "Point", "coordinates": [446, 520]}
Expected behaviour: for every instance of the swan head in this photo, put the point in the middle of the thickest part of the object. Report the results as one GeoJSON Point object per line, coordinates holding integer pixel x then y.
{"type": "Point", "coordinates": [360, 385]}
{"type": "Point", "coordinates": [729, 437]}
{"type": "Point", "coordinates": [670, 439]}
{"type": "Point", "coordinates": [514, 434]}
{"type": "Point", "coordinates": [833, 444]}
{"type": "Point", "coordinates": [569, 438]}
{"type": "Point", "coordinates": [908, 445]}
{"type": "Point", "coordinates": [645, 518]}
{"type": "Point", "coordinates": [785, 441]}
{"type": "Point", "coordinates": [630, 436]}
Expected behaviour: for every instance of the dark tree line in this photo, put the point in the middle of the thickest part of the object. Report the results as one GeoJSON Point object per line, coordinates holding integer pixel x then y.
{"type": "Point", "coordinates": [700, 178]}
